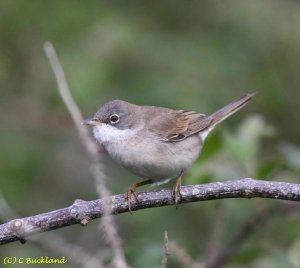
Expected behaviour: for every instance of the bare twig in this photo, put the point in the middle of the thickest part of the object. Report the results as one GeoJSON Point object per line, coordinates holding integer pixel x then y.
{"type": "Point", "coordinates": [18, 229]}
{"type": "Point", "coordinates": [107, 224]}
{"type": "Point", "coordinates": [182, 256]}
{"type": "Point", "coordinates": [164, 260]}
{"type": "Point", "coordinates": [69, 101]}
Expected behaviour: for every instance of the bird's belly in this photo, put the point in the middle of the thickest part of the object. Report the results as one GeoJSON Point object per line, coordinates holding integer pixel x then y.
{"type": "Point", "coordinates": [157, 161]}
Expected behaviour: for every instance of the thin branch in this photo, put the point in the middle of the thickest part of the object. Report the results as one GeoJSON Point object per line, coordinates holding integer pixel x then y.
{"type": "Point", "coordinates": [107, 224]}
{"type": "Point", "coordinates": [69, 101]}
{"type": "Point", "coordinates": [19, 229]}
{"type": "Point", "coordinates": [164, 260]}
{"type": "Point", "coordinates": [182, 256]}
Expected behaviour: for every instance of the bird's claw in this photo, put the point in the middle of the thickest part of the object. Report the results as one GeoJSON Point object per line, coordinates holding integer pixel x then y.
{"type": "Point", "coordinates": [131, 192]}
{"type": "Point", "coordinates": [176, 191]}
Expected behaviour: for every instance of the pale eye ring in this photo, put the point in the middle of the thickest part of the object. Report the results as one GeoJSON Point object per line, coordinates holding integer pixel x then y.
{"type": "Point", "coordinates": [114, 119]}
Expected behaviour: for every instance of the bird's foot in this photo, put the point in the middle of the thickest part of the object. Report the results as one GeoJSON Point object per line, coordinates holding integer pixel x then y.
{"type": "Point", "coordinates": [131, 192]}
{"type": "Point", "coordinates": [176, 191]}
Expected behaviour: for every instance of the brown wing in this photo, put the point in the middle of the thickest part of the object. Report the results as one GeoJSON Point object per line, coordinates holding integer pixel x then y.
{"type": "Point", "coordinates": [172, 126]}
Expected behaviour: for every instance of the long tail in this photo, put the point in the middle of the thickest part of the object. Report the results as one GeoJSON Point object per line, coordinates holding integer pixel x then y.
{"type": "Point", "coordinates": [230, 109]}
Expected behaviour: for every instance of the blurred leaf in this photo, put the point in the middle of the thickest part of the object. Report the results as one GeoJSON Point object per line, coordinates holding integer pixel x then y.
{"type": "Point", "coordinates": [248, 255]}
{"type": "Point", "coordinates": [265, 170]}
{"type": "Point", "coordinates": [150, 254]}
{"type": "Point", "coordinates": [294, 253]}
{"type": "Point", "coordinates": [291, 154]}
{"type": "Point", "coordinates": [21, 159]}
{"type": "Point", "coordinates": [245, 143]}
{"type": "Point", "coordinates": [211, 146]}
{"type": "Point", "coordinates": [273, 261]}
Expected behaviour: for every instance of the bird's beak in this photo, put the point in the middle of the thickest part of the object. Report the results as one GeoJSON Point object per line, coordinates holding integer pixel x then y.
{"type": "Point", "coordinates": [91, 122]}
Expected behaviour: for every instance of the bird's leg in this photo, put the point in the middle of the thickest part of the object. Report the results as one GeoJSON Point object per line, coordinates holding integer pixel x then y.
{"type": "Point", "coordinates": [176, 190]}
{"type": "Point", "coordinates": [132, 189]}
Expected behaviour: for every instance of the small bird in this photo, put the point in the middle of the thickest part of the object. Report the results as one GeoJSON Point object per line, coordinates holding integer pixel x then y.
{"type": "Point", "coordinates": [155, 143]}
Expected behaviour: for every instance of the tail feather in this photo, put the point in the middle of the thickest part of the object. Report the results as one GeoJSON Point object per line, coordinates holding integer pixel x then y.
{"type": "Point", "coordinates": [230, 109]}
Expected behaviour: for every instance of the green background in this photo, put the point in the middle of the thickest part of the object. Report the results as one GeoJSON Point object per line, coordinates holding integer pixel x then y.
{"type": "Point", "coordinates": [191, 55]}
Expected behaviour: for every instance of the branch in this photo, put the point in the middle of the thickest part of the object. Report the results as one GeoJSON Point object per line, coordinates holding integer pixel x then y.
{"type": "Point", "coordinates": [18, 229]}
{"type": "Point", "coordinates": [55, 243]}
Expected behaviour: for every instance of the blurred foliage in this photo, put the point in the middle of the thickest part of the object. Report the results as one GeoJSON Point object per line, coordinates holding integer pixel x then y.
{"type": "Point", "coordinates": [195, 55]}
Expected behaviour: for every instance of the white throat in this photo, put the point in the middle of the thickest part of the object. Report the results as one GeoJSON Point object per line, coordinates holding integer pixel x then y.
{"type": "Point", "coordinates": [106, 133]}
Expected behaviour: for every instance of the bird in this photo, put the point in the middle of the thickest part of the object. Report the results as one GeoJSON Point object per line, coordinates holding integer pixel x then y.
{"type": "Point", "coordinates": [157, 144]}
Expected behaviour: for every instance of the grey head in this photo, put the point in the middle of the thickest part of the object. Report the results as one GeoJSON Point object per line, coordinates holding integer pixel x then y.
{"type": "Point", "coordinates": [116, 113]}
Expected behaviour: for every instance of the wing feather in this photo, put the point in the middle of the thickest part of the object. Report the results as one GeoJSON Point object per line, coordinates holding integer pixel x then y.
{"type": "Point", "coordinates": [173, 126]}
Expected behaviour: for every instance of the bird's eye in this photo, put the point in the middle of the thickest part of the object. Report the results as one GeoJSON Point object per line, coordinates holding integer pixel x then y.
{"type": "Point", "coordinates": [114, 118]}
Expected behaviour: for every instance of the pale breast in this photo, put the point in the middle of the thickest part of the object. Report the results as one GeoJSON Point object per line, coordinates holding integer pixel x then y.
{"type": "Point", "coordinates": [150, 158]}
